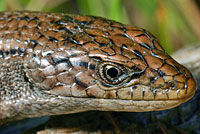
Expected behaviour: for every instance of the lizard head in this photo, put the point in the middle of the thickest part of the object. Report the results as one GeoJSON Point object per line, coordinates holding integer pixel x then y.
{"type": "Point", "coordinates": [137, 68]}
{"type": "Point", "coordinates": [111, 61]}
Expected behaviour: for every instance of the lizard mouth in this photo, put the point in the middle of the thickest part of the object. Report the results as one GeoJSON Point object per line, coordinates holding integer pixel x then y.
{"type": "Point", "coordinates": [140, 105]}
{"type": "Point", "coordinates": [127, 105]}
{"type": "Point", "coordinates": [142, 98]}
{"type": "Point", "coordinates": [145, 92]}
{"type": "Point", "coordinates": [145, 101]}
{"type": "Point", "coordinates": [139, 98]}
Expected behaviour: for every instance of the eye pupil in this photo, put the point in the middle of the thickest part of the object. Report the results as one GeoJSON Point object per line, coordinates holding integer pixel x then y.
{"type": "Point", "coordinates": [112, 72]}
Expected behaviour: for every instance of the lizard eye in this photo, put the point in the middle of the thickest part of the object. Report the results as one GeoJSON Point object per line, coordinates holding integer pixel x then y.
{"type": "Point", "coordinates": [112, 73]}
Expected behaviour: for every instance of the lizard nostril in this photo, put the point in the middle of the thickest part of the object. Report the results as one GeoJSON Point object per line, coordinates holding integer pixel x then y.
{"type": "Point", "coordinates": [171, 85]}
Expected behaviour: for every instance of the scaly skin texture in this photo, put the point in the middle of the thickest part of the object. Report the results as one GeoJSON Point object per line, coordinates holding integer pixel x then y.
{"type": "Point", "coordinates": [59, 63]}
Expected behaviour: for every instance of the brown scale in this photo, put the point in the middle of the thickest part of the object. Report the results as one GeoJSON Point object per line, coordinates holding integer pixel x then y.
{"type": "Point", "coordinates": [75, 56]}
{"type": "Point", "coordinates": [48, 37]}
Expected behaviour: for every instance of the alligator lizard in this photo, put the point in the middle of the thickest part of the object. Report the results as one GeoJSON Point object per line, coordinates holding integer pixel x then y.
{"type": "Point", "coordinates": [61, 63]}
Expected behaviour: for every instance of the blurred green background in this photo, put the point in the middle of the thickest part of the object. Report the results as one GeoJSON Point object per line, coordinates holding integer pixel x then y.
{"type": "Point", "coordinates": [174, 22]}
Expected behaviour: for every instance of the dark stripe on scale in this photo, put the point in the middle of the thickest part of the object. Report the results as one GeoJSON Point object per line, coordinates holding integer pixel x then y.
{"type": "Point", "coordinates": [145, 46]}
{"type": "Point", "coordinates": [139, 55]}
{"type": "Point", "coordinates": [80, 83]}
